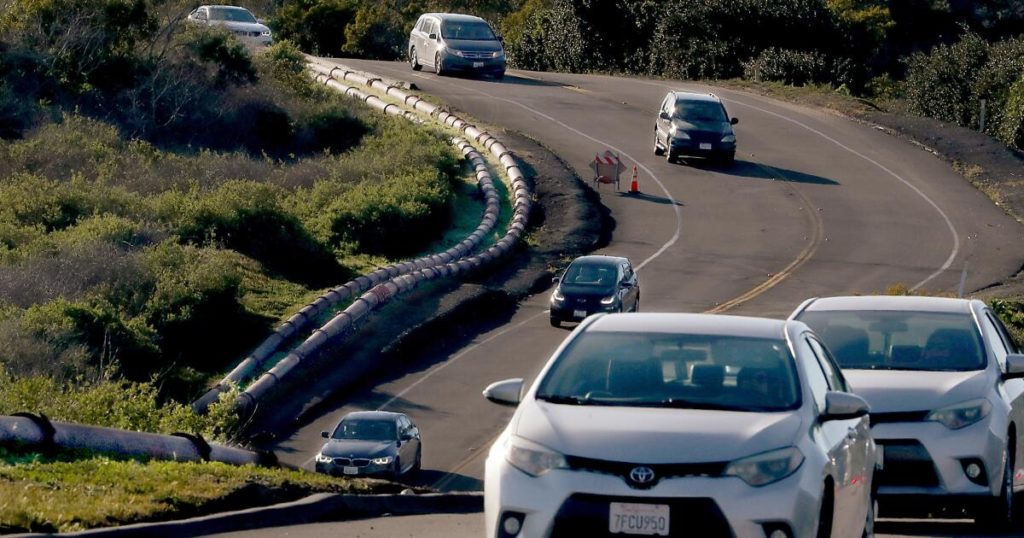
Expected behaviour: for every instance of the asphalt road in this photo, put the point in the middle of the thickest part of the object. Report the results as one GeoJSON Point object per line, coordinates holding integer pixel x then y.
{"type": "Point", "coordinates": [816, 205]}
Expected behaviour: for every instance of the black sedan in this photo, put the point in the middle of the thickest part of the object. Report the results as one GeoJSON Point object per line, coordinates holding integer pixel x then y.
{"type": "Point", "coordinates": [371, 443]}
{"type": "Point", "coordinates": [594, 284]}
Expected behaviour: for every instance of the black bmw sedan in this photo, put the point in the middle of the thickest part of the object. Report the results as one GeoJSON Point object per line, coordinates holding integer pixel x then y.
{"type": "Point", "coordinates": [594, 284]}
{"type": "Point", "coordinates": [371, 443]}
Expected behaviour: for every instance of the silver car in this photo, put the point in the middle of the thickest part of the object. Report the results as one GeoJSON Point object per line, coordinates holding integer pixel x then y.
{"type": "Point", "coordinates": [683, 424]}
{"type": "Point", "coordinates": [451, 42]}
{"type": "Point", "coordinates": [237, 20]}
{"type": "Point", "coordinates": [943, 378]}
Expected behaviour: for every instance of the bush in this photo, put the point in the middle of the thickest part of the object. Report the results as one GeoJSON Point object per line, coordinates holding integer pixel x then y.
{"type": "Point", "coordinates": [795, 68]}
{"type": "Point", "coordinates": [1011, 127]}
{"type": "Point", "coordinates": [940, 84]}
{"type": "Point", "coordinates": [315, 26]}
{"type": "Point", "coordinates": [993, 82]}
{"type": "Point", "coordinates": [377, 32]}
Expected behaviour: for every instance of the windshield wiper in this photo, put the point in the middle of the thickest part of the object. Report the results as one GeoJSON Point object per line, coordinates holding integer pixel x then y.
{"type": "Point", "coordinates": [677, 403]}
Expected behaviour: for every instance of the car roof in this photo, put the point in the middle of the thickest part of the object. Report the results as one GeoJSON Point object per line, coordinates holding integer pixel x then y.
{"type": "Point", "coordinates": [698, 324]}
{"type": "Point", "coordinates": [225, 6]}
{"type": "Point", "coordinates": [454, 17]}
{"type": "Point", "coordinates": [373, 415]}
{"type": "Point", "coordinates": [599, 259]}
{"type": "Point", "coordinates": [684, 95]}
{"type": "Point", "coordinates": [911, 303]}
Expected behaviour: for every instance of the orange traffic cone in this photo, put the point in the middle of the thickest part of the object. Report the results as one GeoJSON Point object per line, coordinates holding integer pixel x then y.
{"type": "Point", "coordinates": [634, 187]}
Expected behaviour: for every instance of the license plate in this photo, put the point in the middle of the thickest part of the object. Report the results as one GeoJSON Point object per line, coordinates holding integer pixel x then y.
{"type": "Point", "coordinates": [478, 64]}
{"type": "Point", "coordinates": [350, 470]}
{"type": "Point", "coordinates": [579, 314]}
{"type": "Point", "coordinates": [638, 519]}
{"type": "Point", "coordinates": [705, 145]}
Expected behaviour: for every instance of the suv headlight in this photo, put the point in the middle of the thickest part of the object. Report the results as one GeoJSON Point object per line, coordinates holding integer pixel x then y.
{"type": "Point", "coordinates": [320, 458]}
{"type": "Point", "coordinates": [557, 296]}
{"type": "Point", "coordinates": [767, 467]}
{"type": "Point", "coordinates": [458, 53]}
{"type": "Point", "coordinates": [497, 54]}
{"type": "Point", "coordinates": [728, 139]}
{"type": "Point", "coordinates": [962, 414]}
{"type": "Point", "coordinates": [385, 460]}
{"type": "Point", "coordinates": [609, 299]}
{"type": "Point", "coordinates": [531, 458]}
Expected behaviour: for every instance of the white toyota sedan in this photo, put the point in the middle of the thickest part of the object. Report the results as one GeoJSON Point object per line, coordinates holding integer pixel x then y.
{"type": "Point", "coordinates": [683, 424]}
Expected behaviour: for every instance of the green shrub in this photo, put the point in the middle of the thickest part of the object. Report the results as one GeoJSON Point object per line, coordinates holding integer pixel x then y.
{"type": "Point", "coordinates": [796, 68]}
{"type": "Point", "coordinates": [315, 26]}
{"type": "Point", "coordinates": [378, 32]}
{"type": "Point", "coordinates": [1011, 313]}
{"type": "Point", "coordinates": [940, 84]}
{"type": "Point", "coordinates": [1011, 127]}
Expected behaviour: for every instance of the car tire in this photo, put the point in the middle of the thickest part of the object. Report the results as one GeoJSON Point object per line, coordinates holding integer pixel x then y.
{"type": "Point", "coordinates": [414, 62]}
{"type": "Point", "coordinates": [438, 69]}
{"type": "Point", "coordinates": [636, 305]}
{"type": "Point", "coordinates": [499, 75]}
{"type": "Point", "coordinates": [670, 156]}
{"type": "Point", "coordinates": [827, 510]}
{"type": "Point", "coordinates": [727, 159]}
{"type": "Point", "coordinates": [419, 460]}
{"type": "Point", "coordinates": [657, 149]}
{"type": "Point", "coordinates": [555, 322]}
{"type": "Point", "coordinates": [396, 475]}
{"type": "Point", "coordinates": [998, 513]}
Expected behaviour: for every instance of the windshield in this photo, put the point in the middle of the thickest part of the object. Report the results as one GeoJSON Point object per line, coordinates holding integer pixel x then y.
{"type": "Point", "coordinates": [477, 30]}
{"type": "Point", "coordinates": [673, 370]}
{"type": "Point", "coordinates": [231, 14]}
{"type": "Point", "coordinates": [583, 273]}
{"type": "Point", "coordinates": [700, 111]}
{"type": "Point", "coordinates": [899, 340]}
{"type": "Point", "coordinates": [366, 430]}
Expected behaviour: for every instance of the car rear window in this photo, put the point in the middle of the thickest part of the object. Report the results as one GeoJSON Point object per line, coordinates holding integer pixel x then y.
{"type": "Point", "coordinates": [887, 340]}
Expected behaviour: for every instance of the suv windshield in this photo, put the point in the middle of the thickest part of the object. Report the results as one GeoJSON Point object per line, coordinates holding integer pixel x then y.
{"type": "Point", "coordinates": [231, 14]}
{"type": "Point", "coordinates": [673, 370]}
{"type": "Point", "coordinates": [591, 274]}
{"type": "Point", "coordinates": [699, 111]}
{"type": "Point", "coordinates": [885, 340]}
{"type": "Point", "coordinates": [477, 30]}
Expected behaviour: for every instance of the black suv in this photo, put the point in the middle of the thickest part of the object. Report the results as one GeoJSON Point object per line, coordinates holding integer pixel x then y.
{"type": "Point", "coordinates": [694, 124]}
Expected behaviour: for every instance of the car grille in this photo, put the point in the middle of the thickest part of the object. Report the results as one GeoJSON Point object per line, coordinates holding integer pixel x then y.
{"type": "Point", "coordinates": [661, 470]}
{"type": "Point", "coordinates": [587, 515]}
{"type": "Point", "coordinates": [352, 462]}
{"type": "Point", "coordinates": [900, 416]}
{"type": "Point", "coordinates": [906, 463]}
{"type": "Point", "coordinates": [247, 34]}
{"type": "Point", "coordinates": [701, 136]}
{"type": "Point", "coordinates": [476, 54]}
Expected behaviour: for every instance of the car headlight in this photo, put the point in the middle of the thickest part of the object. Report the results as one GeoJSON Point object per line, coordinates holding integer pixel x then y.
{"type": "Point", "coordinates": [532, 458]}
{"type": "Point", "coordinates": [385, 460]}
{"type": "Point", "coordinates": [458, 53]}
{"type": "Point", "coordinates": [497, 54]}
{"type": "Point", "coordinates": [767, 467]}
{"type": "Point", "coordinates": [728, 139]}
{"type": "Point", "coordinates": [676, 133]}
{"type": "Point", "coordinates": [265, 33]}
{"type": "Point", "coordinates": [320, 458]}
{"type": "Point", "coordinates": [962, 414]}
{"type": "Point", "coordinates": [557, 296]}
{"type": "Point", "coordinates": [609, 299]}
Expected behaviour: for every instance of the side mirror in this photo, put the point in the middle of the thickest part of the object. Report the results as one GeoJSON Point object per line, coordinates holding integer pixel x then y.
{"type": "Point", "coordinates": [843, 405]}
{"type": "Point", "coordinates": [1014, 366]}
{"type": "Point", "coordinates": [406, 437]}
{"type": "Point", "coordinates": [663, 115]}
{"type": "Point", "coordinates": [734, 121]}
{"type": "Point", "coordinates": [556, 280]}
{"type": "Point", "coordinates": [325, 435]}
{"type": "Point", "coordinates": [507, 392]}
{"type": "Point", "coordinates": [432, 37]}
{"type": "Point", "coordinates": [625, 284]}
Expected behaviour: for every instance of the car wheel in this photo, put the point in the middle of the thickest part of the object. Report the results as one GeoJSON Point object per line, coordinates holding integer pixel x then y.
{"type": "Point", "coordinates": [727, 159]}
{"type": "Point", "coordinates": [670, 156]}
{"type": "Point", "coordinates": [419, 460]}
{"type": "Point", "coordinates": [827, 507]}
{"type": "Point", "coordinates": [499, 75]}
{"type": "Point", "coordinates": [555, 322]}
{"type": "Point", "coordinates": [414, 62]}
{"type": "Point", "coordinates": [998, 513]}
{"type": "Point", "coordinates": [437, 65]}
{"type": "Point", "coordinates": [657, 148]}
{"type": "Point", "coordinates": [636, 305]}
{"type": "Point", "coordinates": [396, 474]}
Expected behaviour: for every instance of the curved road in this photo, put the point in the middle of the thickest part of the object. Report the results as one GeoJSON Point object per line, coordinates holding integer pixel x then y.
{"type": "Point", "coordinates": [816, 205]}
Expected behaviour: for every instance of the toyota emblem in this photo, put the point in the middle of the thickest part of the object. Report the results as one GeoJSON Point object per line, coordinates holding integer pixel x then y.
{"type": "Point", "coordinates": [642, 475]}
